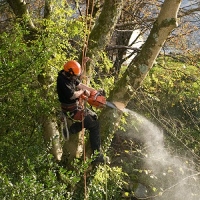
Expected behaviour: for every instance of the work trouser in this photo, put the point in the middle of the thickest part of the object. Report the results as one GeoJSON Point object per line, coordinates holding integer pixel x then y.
{"type": "Point", "coordinates": [90, 123]}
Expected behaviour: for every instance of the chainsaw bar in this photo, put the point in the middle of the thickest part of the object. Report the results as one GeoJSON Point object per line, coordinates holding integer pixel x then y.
{"type": "Point", "coordinates": [115, 105]}
{"type": "Point", "coordinates": [111, 105]}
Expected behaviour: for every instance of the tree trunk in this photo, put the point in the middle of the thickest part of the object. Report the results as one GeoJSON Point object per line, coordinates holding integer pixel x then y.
{"type": "Point", "coordinates": [103, 30]}
{"type": "Point", "coordinates": [101, 33]}
{"type": "Point", "coordinates": [52, 137]}
{"type": "Point", "coordinates": [141, 64]}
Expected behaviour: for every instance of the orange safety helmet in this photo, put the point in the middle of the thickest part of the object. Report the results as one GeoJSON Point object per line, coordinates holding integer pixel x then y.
{"type": "Point", "coordinates": [73, 67]}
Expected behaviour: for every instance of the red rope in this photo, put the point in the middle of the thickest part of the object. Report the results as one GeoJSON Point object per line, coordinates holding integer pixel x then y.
{"type": "Point", "coordinates": [86, 36]}
{"type": "Point", "coordinates": [84, 52]}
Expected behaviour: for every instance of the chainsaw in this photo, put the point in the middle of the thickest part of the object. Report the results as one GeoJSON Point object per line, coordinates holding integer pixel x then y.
{"type": "Point", "coordinates": [97, 99]}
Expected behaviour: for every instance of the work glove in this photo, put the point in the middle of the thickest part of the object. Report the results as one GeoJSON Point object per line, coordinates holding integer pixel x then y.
{"type": "Point", "coordinates": [101, 92]}
{"type": "Point", "coordinates": [86, 93]}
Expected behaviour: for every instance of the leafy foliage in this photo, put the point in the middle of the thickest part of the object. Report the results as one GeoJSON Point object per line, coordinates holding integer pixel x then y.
{"type": "Point", "coordinates": [170, 96]}
{"type": "Point", "coordinates": [107, 183]}
{"type": "Point", "coordinates": [27, 95]}
{"type": "Point", "coordinates": [33, 175]}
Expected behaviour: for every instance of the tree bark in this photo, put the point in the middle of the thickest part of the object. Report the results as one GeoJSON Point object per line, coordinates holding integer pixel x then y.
{"type": "Point", "coordinates": [20, 10]}
{"type": "Point", "coordinates": [103, 29]}
{"type": "Point", "coordinates": [52, 138]}
{"type": "Point", "coordinates": [101, 33]}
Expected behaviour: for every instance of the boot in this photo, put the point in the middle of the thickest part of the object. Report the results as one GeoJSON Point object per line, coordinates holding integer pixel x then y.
{"type": "Point", "coordinates": [98, 158]}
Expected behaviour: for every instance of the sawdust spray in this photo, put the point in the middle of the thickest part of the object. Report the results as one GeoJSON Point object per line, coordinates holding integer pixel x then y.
{"type": "Point", "coordinates": [173, 178]}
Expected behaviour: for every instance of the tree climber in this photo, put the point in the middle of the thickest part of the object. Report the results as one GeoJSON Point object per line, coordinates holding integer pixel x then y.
{"type": "Point", "coordinates": [70, 89]}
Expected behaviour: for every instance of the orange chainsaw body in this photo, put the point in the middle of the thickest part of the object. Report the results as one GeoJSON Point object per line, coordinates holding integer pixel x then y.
{"type": "Point", "coordinates": [96, 99]}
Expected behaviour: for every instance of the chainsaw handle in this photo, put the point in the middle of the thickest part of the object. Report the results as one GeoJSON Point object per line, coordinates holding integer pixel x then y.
{"type": "Point", "coordinates": [95, 99]}
{"type": "Point", "coordinates": [84, 97]}
{"type": "Point", "coordinates": [87, 93]}
{"type": "Point", "coordinates": [97, 94]}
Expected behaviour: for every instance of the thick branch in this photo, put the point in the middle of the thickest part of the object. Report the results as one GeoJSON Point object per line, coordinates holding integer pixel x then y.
{"type": "Point", "coordinates": [19, 8]}
{"type": "Point", "coordinates": [121, 47]}
{"type": "Point", "coordinates": [101, 33]}
{"type": "Point", "coordinates": [184, 13]}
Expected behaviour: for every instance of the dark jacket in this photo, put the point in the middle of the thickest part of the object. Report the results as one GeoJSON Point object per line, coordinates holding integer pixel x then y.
{"type": "Point", "coordinates": [66, 88]}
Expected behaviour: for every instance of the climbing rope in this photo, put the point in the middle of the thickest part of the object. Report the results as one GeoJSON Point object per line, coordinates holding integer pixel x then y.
{"type": "Point", "coordinates": [86, 33]}
{"type": "Point", "coordinates": [84, 53]}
